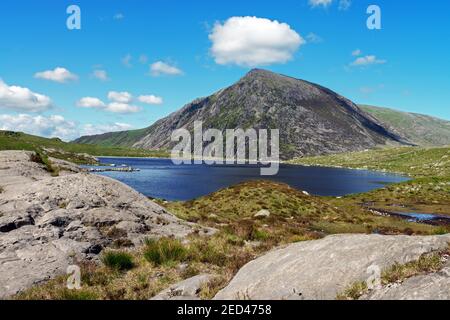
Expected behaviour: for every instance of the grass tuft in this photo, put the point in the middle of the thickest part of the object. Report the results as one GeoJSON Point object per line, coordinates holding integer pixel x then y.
{"type": "Point", "coordinates": [118, 260]}
{"type": "Point", "coordinates": [164, 251]}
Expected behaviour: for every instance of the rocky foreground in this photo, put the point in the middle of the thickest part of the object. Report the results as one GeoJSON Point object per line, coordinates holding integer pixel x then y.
{"type": "Point", "coordinates": [322, 269]}
{"type": "Point", "coordinates": [48, 223]}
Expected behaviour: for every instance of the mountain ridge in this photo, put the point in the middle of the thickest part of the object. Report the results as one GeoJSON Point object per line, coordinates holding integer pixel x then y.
{"type": "Point", "coordinates": [312, 119]}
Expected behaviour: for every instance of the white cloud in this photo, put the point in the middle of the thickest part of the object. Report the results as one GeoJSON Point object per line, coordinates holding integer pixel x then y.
{"type": "Point", "coordinates": [150, 99]}
{"type": "Point", "coordinates": [120, 103]}
{"type": "Point", "coordinates": [59, 74]}
{"type": "Point", "coordinates": [318, 3]}
{"type": "Point", "coordinates": [126, 61]}
{"type": "Point", "coordinates": [56, 126]}
{"type": "Point", "coordinates": [91, 102]}
{"type": "Point", "coordinates": [313, 38]}
{"type": "Point", "coordinates": [367, 61]}
{"type": "Point", "coordinates": [122, 97]}
{"type": "Point", "coordinates": [118, 107]}
{"type": "Point", "coordinates": [160, 68]}
{"type": "Point", "coordinates": [356, 52]}
{"type": "Point", "coordinates": [51, 126]}
{"type": "Point", "coordinates": [101, 75]}
{"type": "Point", "coordinates": [93, 129]}
{"type": "Point", "coordinates": [22, 99]}
{"type": "Point", "coordinates": [252, 41]}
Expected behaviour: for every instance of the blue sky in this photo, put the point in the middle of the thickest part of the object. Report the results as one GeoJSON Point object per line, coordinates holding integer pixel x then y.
{"type": "Point", "coordinates": [405, 65]}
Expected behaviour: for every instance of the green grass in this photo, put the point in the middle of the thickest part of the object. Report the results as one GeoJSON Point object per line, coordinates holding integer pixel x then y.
{"type": "Point", "coordinates": [41, 158]}
{"type": "Point", "coordinates": [417, 128]}
{"type": "Point", "coordinates": [164, 251]}
{"type": "Point", "coordinates": [118, 260]}
{"type": "Point", "coordinates": [413, 161]}
{"type": "Point", "coordinates": [68, 151]}
{"type": "Point", "coordinates": [294, 215]}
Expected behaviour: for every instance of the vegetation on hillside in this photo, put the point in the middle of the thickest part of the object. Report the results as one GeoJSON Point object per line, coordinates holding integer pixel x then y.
{"type": "Point", "coordinates": [413, 161]}
{"type": "Point", "coordinates": [68, 151]}
{"type": "Point", "coordinates": [114, 139]}
{"type": "Point", "coordinates": [417, 128]}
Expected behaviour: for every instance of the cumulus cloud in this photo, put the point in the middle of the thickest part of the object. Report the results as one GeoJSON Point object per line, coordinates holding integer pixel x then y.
{"type": "Point", "coordinates": [22, 99]}
{"type": "Point", "coordinates": [93, 129]}
{"type": "Point", "coordinates": [162, 68]}
{"type": "Point", "coordinates": [59, 74]}
{"type": "Point", "coordinates": [252, 41]}
{"type": "Point", "coordinates": [367, 61]}
{"type": "Point", "coordinates": [122, 97]}
{"type": "Point", "coordinates": [56, 126]}
{"type": "Point", "coordinates": [100, 75]}
{"type": "Point", "coordinates": [120, 103]}
{"type": "Point", "coordinates": [150, 99]}
{"type": "Point", "coordinates": [118, 107]}
{"type": "Point", "coordinates": [51, 126]}
{"type": "Point", "coordinates": [91, 102]}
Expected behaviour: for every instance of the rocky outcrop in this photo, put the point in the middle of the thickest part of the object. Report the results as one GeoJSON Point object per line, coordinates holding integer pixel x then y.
{"type": "Point", "coordinates": [322, 269]}
{"type": "Point", "coordinates": [434, 286]}
{"type": "Point", "coordinates": [48, 223]}
{"type": "Point", "coordinates": [185, 290]}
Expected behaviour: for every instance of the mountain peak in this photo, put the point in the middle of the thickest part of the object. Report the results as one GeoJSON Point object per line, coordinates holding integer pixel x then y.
{"type": "Point", "coordinates": [259, 72]}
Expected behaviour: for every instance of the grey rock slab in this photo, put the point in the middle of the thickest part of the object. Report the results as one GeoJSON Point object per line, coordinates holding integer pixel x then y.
{"type": "Point", "coordinates": [186, 289]}
{"type": "Point", "coordinates": [321, 269]}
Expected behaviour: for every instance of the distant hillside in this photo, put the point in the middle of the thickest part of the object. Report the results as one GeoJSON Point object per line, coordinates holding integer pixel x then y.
{"type": "Point", "coordinates": [10, 140]}
{"type": "Point", "coordinates": [313, 120]}
{"type": "Point", "coordinates": [114, 139]}
{"type": "Point", "coordinates": [417, 128]}
{"type": "Point", "coordinates": [414, 161]}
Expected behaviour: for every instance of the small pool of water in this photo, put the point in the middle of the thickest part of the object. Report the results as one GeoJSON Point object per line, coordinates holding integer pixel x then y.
{"type": "Point", "coordinates": [424, 217]}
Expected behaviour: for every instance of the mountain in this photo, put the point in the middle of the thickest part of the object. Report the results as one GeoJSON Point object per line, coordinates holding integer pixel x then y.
{"type": "Point", "coordinates": [313, 120]}
{"type": "Point", "coordinates": [417, 128]}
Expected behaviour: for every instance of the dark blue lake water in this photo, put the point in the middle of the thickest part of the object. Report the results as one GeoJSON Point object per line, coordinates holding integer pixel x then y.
{"type": "Point", "coordinates": [160, 178]}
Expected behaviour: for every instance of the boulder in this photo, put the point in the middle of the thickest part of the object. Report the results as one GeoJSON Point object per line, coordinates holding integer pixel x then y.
{"type": "Point", "coordinates": [262, 214]}
{"type": "Point", "coordinates": [321, 269]}
{"type": "Point", "coordinates": [185, 290]}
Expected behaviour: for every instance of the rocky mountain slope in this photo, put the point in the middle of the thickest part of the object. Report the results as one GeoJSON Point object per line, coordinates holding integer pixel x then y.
{"type": "Point", "coordinates": [312, 119]}
{"type": "Point", "coordinates": [48, 223]}
{"type": "Point", "coordinates": [419, 129]}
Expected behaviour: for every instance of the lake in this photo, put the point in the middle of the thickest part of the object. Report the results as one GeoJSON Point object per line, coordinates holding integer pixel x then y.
{"type": "Point", "coordinates": [160, 178]}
